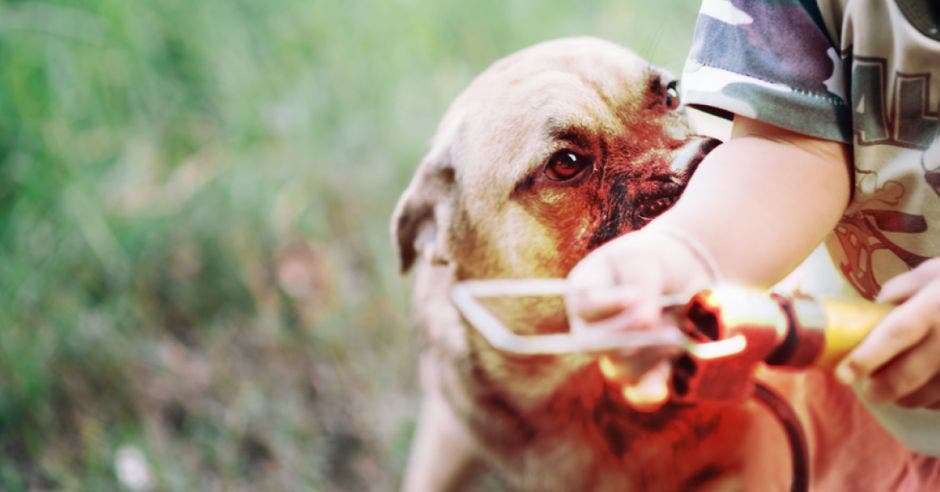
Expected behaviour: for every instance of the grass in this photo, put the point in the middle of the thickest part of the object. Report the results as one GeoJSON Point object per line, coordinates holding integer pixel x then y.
{"type": "Point", "coordinates": [194, 261]}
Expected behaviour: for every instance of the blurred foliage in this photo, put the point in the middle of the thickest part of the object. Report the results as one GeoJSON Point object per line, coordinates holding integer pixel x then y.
{"type": "Point", "coordinates": [194, 261]}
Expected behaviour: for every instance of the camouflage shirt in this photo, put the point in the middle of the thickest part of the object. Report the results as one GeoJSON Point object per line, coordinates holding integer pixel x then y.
{"type": "Point", "coordinates": [864, 72]}
{"type": "Point", "coordinates": [867, 73]}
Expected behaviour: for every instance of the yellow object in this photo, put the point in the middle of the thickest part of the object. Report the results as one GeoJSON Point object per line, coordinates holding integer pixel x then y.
{"type": "Point", "coordinates": [792, 330]}
{"type": "Point", "coordinates": [848, 321]}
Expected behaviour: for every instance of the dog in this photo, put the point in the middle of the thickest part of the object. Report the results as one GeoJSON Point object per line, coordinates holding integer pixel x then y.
{"type": "Point", "coordinates": [549, 153]}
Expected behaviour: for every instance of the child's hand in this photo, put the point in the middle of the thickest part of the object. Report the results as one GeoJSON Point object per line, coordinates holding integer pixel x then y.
{"type": "Point", "coordinates": [766, 183]}
{"type": "Point", "coordinates": [899, 361]}
{"type": "Point", "coordinates": [618, 287]}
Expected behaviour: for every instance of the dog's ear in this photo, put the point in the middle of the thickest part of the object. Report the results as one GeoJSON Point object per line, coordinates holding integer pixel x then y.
{"type": "Point", "coordinates": [421, 218]}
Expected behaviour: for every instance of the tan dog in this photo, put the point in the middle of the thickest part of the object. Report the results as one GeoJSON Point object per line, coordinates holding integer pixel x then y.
{"type": "Point", "coordinates": [549, 153]}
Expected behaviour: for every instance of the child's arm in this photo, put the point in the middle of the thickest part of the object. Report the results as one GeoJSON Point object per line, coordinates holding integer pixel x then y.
{"type": "Point", "coordinates": [757, 205]}
{"type": "Point", "coordinates": [763, 201]}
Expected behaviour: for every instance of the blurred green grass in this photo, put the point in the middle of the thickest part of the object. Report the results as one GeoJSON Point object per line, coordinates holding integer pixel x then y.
{"type": "Point", "coordinates": [194, 261]}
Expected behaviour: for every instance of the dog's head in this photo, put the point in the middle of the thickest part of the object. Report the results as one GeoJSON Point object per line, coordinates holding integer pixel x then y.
{"type": "Point", "coordinates": [549, 153]}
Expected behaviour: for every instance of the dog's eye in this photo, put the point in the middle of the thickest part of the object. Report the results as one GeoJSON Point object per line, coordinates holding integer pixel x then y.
{"type": "Point", "coordinates": [565, 164]}
{"type": "Point", "coordinates": [671, 98]}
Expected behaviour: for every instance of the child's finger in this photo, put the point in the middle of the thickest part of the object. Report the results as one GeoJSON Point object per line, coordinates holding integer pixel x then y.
{"type": "Point", "coordinates": [627, 370]}
{"type": "Point", "coordinates": [630, 366]}
{"type": "Point", "coordinates": [602, 303]}
{"type": "Point", "coordinates": [651, 392]}
{"type": "Point", "coordinates": [907, 373]}
{"type": "Point", "coordinates": [905, 285]}
{"type": "Point", "coordinates": [624, 320]}
{"type": "Point", "coordinates": [927, 396]}
{"type": "Point", "coordinates": [900, 330]}
{"type": "Point", "coordinates": [617, 308]}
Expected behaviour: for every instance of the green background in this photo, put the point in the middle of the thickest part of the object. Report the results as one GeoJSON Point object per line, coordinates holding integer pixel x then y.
{"type": "Point", "coordinates": [195, 266]}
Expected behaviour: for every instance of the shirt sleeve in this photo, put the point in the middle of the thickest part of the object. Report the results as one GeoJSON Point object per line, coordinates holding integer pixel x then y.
{"type": "Point", "coordinates": [770, 60]}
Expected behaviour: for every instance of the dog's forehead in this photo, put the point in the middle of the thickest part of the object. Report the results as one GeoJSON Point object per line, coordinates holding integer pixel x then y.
{"type": "Point", "coordinates": [607, 68]}
{"type": "Point", "coordinates": [508, 115]}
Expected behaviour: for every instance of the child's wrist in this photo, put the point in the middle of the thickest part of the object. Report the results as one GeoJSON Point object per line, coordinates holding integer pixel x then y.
{"type": "Point", "coordinates": [704, 268]}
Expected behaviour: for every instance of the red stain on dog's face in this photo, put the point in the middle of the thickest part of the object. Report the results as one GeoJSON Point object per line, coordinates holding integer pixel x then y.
{"type": "Point", "coordinates": [627, 180]}
{"type": "Point", "coordinates": [592, 172]}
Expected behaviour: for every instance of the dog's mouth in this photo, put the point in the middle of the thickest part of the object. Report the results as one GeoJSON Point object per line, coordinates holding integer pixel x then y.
{"type": "Point", "coordinates": [651, 201]}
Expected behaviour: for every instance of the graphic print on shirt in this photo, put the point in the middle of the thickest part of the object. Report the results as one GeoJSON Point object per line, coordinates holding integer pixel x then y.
{"type": "Point", "coordinates": [930, 163]}
{"type": "Point", "coordinates": [910, 122]}
{"type": "Point", "coordinates": [906, 121]}
{"type": "Point", "coordinates": [862, 234]}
